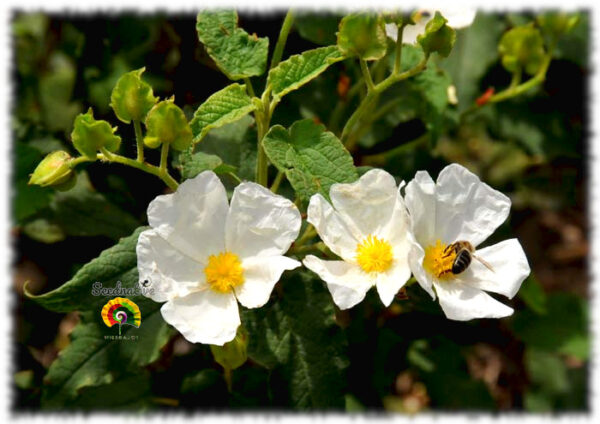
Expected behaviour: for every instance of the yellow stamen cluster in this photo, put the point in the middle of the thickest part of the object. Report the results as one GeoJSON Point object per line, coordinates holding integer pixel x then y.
{"type": "Point", "coordinates": [374, 254]}
{"type": "Point", "coordinates": [224, 272]}
{"type": "Point", "coordinates": [438, 262]}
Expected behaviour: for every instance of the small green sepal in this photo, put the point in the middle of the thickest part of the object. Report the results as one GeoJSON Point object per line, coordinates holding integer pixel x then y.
{"type": "Point", "coordinates": [90, 135]}
{"type": "Point", "coordinates": [522, 48]}
{"type": "Point", "coordinates": [166, 123]}
{"type": "Point", "coordinates": [53, 170]}
{"type": "Point", "coordinates": [132, 98]}
{"type": "Point", "coordinates": [232, 354]}
{"type": "Point", "coordinates": [438, 36]}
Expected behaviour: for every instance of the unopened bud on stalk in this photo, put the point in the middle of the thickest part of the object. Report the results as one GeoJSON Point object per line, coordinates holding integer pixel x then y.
{"type": "Point", "coordinates": [54, 170]}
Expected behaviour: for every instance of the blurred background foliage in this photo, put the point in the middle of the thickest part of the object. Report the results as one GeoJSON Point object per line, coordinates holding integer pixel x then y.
{"type": "Point", "coordinates": [406, 358]}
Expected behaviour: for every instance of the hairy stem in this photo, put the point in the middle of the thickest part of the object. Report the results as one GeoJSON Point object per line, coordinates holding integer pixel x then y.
{"type": "Point", "coordinates": [283, 35]}
{"type": "Point", "coordinates": [139, 139]}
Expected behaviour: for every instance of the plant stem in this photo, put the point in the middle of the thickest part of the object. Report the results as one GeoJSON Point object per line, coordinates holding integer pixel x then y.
{"type": "Point", "coordinates": [228, 374]}
{"type": "Point", "coordinates": [379, 158]}
{"type": "Point", "coordinates": [164, 157]}
{"type": "Point", "coordinates": [235, 177]}
{"type": "Point", "coordinates": [376, 91]}
{"type": "Point", "coordinates": [139, 140]}
{"type": "Point", "coordinates": [249, 87]}
{"type": "Point", "coordinates": [277, 181]}
{"type": "Point", "coordinates": [398, 59]}
{"type": "Point", "coordinates": [366, 74]}
{"type": "Point", "coordinates": [283, 35]}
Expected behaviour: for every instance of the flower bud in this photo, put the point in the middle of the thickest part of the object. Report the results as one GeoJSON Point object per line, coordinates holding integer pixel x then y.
{"type": "Point", "coordinates": [232, 354]}
{"type": "Point", "coordinates": [132, 98]}
{"type": "Point", "coordinates": [166, 123]}
{"type": "Point", "coordinates": [522, 48]}
{"type": "Point", "coordinates": [89, 135]}
{"type": "Point", "coordinates": [555, 24]}
{"type": "Point", "coordinates": [438, 37]}
{"type": "Point", "coordinates": [53, 170]}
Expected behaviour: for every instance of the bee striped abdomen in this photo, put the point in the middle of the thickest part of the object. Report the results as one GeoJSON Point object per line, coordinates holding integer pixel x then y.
{"type": "Point", "coordinates": [461, 262]}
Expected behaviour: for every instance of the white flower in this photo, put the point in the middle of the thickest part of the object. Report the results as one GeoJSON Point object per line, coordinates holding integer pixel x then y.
{"type": "Point", "coordinates": [459, 207]}
{"type": "Point", "coordinates": [202, 254]}
{"type": "Point", "coordinates": [457, 18]}
{"type": "Point", "coordinates": [367, 227]}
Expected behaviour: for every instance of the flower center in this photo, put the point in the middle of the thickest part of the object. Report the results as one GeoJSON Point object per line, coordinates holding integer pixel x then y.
{"type": "Point", "coordinates": [374, 254]}
{"type": "Point", "coordinates": [438, 261]}
{"type": "Point", "coordinates": [224, 272]}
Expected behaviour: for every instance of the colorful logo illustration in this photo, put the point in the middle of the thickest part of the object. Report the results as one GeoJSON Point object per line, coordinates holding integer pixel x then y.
{"type": "Point", "coordinates": [121, 310]}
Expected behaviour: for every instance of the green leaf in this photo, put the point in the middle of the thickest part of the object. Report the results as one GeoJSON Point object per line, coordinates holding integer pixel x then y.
{"type": "Point", "coordinates": [563, 328]}
{"type": "Point", "coordinates": [362, 35]}
{"type": "Point", "coordinates": [235, 144]}
{"type": "Point", "coordinates": [128, 393]}
{"type": "Point", "coordinates": [236, 53]}
{"type": "Point", "coordinates": [94, 358]}
{"type": "Point", "coordinates": [547, 370]}
{"type": "Point", "coordinates": [299, 69]}
{"type": "Point", "coordinates": [297, 338]}
{"type": "Point", "coordinates": [313, 159]}
{"type": "Point", "coordinates": [118, 263]}
{"type": "Point", "coordinates": [45, 231]}
{"type": "Point", "coordinates": [438, 36]}
{"type": "Point", "coordinates": [318, 28]}
{"type": "Point", "coordinates": [532, 293]}
{"type": "Point", "coordinates": [224, 106]}
{"type": "Point", "coordinates": [82, 211]}
{"type": "Point", "coordinates": [192, 164]}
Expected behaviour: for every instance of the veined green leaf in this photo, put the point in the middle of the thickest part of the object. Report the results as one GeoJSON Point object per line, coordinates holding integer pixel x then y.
{"type": "Point", "coordinates": [312, 158]}
{"type": "Point", "coordinates": [224, 106]}
{"type": "Point", "coordinates": [297, 337]}
{"type": "Point", "coordinates": [93, 357]}
{"type": "Point", "coordinates": [299, 69]}
{"type": "Point", "coordinates": [236, 53]}
{"type": "Point", "coordinates": [362, 35]}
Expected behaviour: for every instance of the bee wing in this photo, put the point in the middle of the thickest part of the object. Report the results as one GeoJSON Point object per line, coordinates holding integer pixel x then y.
{"type": "Point", "coordinates": [488, 266]}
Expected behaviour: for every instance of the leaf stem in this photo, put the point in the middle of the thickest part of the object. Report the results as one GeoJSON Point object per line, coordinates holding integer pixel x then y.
{"type": "Point", "coordinates": [366, 74]}
{"type": "Point", "coordinates": [277, 181]}
{"type": "Point", "coordinates": [164, 157]}
{"type": "Point", "coordinates": [373, 94]}
{"type": "Point", "coordinates": [249, 87]}
{"type": "Point", "coordinates": [398, 58]}
{"type": "Point", "coordinates": [228, 376]}
{"type": "Point", "coordinates": [139, 140]}
{"type": "Point", "coordinates": [283, 35]}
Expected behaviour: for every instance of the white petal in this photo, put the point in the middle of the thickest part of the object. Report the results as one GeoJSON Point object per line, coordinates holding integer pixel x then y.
{"type": "Point", "coordinates": [415, 261]}
{"type": "Point", "coordinates": [399, 224]}
{"type": "Point", "coordinates": [411, 32]}
{"type": "Point", "coordinates": [334, 232]}
{"type": "Point", "coordinates": [391, 30]}
{"type": "Point", "coordinates": [366, 205]}
{"type": "Point", "coordinates": [347, 284]}
{"type": "Point", "coordinates": [510, 268]}
{"type": "Point", "coordinates": [260, 223]}
{"type": "Point", "coordinates": [420, 202]}
{"type": "Point", "coordinates": [460, 302]}
{"type": "Point", "coordinates": [169, 272]}
{"type": "Point", "coordinates": [467, 209]}
{"type": "Point", "coordinates": [204, 316]}
{"type": "Point", "coordinates": [389, 282]}
{"type": "Point", "coordinates": [260, 276]}
{"type": "Point", "coordinates": [458, 17]}
{"type": "Point", "coordinates": [193, 218]}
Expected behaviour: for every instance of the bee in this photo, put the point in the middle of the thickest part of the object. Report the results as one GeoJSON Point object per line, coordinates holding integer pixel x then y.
{"type": "Point", "coordinates": [464, 255]}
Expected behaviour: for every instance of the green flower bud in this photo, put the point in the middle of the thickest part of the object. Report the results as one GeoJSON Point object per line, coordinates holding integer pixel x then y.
{"type": "Point", "coordinates": [53, 170]}
{"type": "Point", "coordinates": [89, 135]}
{"type": "Point", "coordinates": [522, 48]}
{"type": "Point", "coordinates": [362, 35]}
{"type": "Point", "coordinates": [132, 98]}
{"type": "Point", "coordinates": [166, 123]}
{"type": "Point", "coordinates": [438, 36]}
{"type": "Point", "coordinates": [232, 354]}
